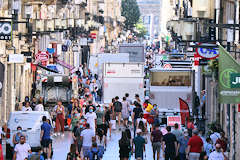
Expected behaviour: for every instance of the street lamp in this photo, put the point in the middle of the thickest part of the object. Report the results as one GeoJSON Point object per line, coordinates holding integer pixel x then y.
{"type": "Point", "coordinates": [187, 30]}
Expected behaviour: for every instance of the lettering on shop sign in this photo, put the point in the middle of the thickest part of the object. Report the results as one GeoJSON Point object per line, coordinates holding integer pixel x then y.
{"type": "Point", "coordinates": [208, 53]}
{"type": "Point", "coordinates": [235, 80]}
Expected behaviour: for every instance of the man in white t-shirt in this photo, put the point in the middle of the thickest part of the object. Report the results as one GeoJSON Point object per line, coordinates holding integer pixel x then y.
{"type": "Point", "coordinates": [215, 136]}
{"type": "Point", "coordinates": [87, 136]}
{"type": "Point", "coordinates": [91, 118]}
{"type": "Point", "coordinates": [27, 107]}
{"type": "Point", "coordinates": [218, 154]}
{"type": "Point", "coordinates": [22, 150]}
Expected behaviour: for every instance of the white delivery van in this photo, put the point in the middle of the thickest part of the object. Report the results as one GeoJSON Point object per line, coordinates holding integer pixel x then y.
{"type": "Point", "coordinates": [121, 78]}
{"type": "Point", "coordinates": [30, 122]}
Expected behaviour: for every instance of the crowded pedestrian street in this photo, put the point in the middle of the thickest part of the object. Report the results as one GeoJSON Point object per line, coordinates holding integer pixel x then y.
{"type": "Point", "coordinates": [119, 79]}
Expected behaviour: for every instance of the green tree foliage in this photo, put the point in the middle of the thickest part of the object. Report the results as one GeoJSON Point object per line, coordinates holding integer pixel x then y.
{"type": "Point", "coordinates": [131, 12]}
{"type": "Point", "coordinates": [141, 29]}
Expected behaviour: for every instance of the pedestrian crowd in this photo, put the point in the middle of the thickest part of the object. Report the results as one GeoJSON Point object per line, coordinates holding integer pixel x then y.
{"type": "Point", "coordinates": [91, 122]}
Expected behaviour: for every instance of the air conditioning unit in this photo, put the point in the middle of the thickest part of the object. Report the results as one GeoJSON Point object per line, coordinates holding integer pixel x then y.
{"type": "Point", "coordinates": [40, 25]}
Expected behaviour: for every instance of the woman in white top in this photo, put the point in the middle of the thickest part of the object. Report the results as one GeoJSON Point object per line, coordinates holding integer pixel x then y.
{"type": "Point", "coordinates": [40, 106]}
{"type": "Point", "coordinates": [27, 107]}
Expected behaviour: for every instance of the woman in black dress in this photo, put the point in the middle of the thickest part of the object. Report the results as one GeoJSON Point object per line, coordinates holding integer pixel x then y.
{"type": "Point", "coordinates": [125, 146]}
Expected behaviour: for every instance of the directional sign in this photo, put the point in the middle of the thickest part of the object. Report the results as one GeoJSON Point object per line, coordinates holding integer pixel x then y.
{"type": "Point", "coordinates": [208, 53]}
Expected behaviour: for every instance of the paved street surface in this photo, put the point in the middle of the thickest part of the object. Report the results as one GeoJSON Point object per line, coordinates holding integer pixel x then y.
{"type": "Point", "coordinates": [62, 144]}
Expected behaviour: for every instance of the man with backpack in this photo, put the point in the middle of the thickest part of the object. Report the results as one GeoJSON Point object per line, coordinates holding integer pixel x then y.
{"type": "Point", "coordinates": [117, 109]}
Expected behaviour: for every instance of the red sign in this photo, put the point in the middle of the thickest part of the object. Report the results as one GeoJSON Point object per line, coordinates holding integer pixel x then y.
{"type": "Point", "coordinates": [172, 120]}
{"type": "Point", "coordinates": [184, 111]}
{"type": "Point", "coordinates": [238, 107]}
{"type": "Point", "coordinates": [93, 35]}
{"type": "Point", "coordinates": [167, 66]}
{"type": "Point", "coordinates": [42, 56]}
{"type": "Point", "coordinates": [196, 59]}
{"type": "Point", "coordinates": [207, 53]}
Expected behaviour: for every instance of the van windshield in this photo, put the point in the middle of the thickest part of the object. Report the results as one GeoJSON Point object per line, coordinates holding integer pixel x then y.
{"type": "Point", "coordinates": [170, 78]}
{"type": "Point", "coordinates": [25, 120]}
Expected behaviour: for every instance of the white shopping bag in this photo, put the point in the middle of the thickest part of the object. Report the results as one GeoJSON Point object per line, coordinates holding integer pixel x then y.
{"type": "Point", "coordinates": [113, 122]}
{"type": "Point", "coordinates": [130, 119]}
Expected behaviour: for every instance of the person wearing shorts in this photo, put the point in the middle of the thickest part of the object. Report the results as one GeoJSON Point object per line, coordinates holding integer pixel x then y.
{"type": "Point", "coordinates": [118, 109]}
{"type": "Point", "coordinates": [46, 141]}
{"type": "Point", "coordinates": [87, 136]}
{"type": "Point", "coordinates": [156, 139]}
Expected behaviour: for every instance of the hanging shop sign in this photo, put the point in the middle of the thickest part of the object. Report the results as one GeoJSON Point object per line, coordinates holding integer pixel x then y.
{"type": "Point", "coordinates": [42, 57]}
{"type": "Point", "coordinates": [64, 48]}
{"type": "Point", "coordinates": [229, 78]}
{"type": "Point", "coordinates": [5, 30]}
{"type": "Point", "coordinates": [205, 52]}
{"type": "Point", "coordinates": [51, 50]}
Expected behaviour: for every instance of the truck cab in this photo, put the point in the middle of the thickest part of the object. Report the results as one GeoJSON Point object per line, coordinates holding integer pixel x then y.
{"type": "Point", "coordinates": [55, 87]}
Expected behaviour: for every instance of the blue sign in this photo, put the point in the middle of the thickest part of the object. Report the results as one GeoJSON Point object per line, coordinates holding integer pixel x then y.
{"type": "Point", "coordinates": [50, 50]}
{"type": "Point", "coordinates": [208, 53]}
{"type": "Point", "coordinates": [64, 48]}
{"type": "Point", "coordinates": [52, 67]}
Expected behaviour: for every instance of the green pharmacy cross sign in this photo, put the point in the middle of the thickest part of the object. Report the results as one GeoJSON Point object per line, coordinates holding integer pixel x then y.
{"type": "Point", "coordinates": [229, 78]}
{"type": "Point", "coordinates": [235, 80]}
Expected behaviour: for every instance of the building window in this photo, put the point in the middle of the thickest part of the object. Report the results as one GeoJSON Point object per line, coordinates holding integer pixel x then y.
{"type": "Point", "coordinates": [146, 19]}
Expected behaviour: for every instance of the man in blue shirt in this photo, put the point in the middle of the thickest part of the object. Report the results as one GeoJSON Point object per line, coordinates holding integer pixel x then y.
{"type": "Point", "coordinates": [46, 141]}
{"type": "Point", "coordinates": [139, 143]}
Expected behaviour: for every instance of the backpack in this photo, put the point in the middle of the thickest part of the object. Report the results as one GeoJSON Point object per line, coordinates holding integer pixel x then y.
{"type": "Point", "coordinates": [118, 106]}
{"type": "Point", "coordinates": [95, 152]}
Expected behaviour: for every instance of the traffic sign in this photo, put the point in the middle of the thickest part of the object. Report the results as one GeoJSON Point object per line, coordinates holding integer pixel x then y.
{"type": "Point", "coordinates": [205, 52]}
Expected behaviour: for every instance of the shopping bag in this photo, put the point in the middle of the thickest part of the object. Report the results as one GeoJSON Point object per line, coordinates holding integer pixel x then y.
{"type": "Point", "coordinates": [113, 122]}
{"type": "Point", "coordinates": [149, 108]}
